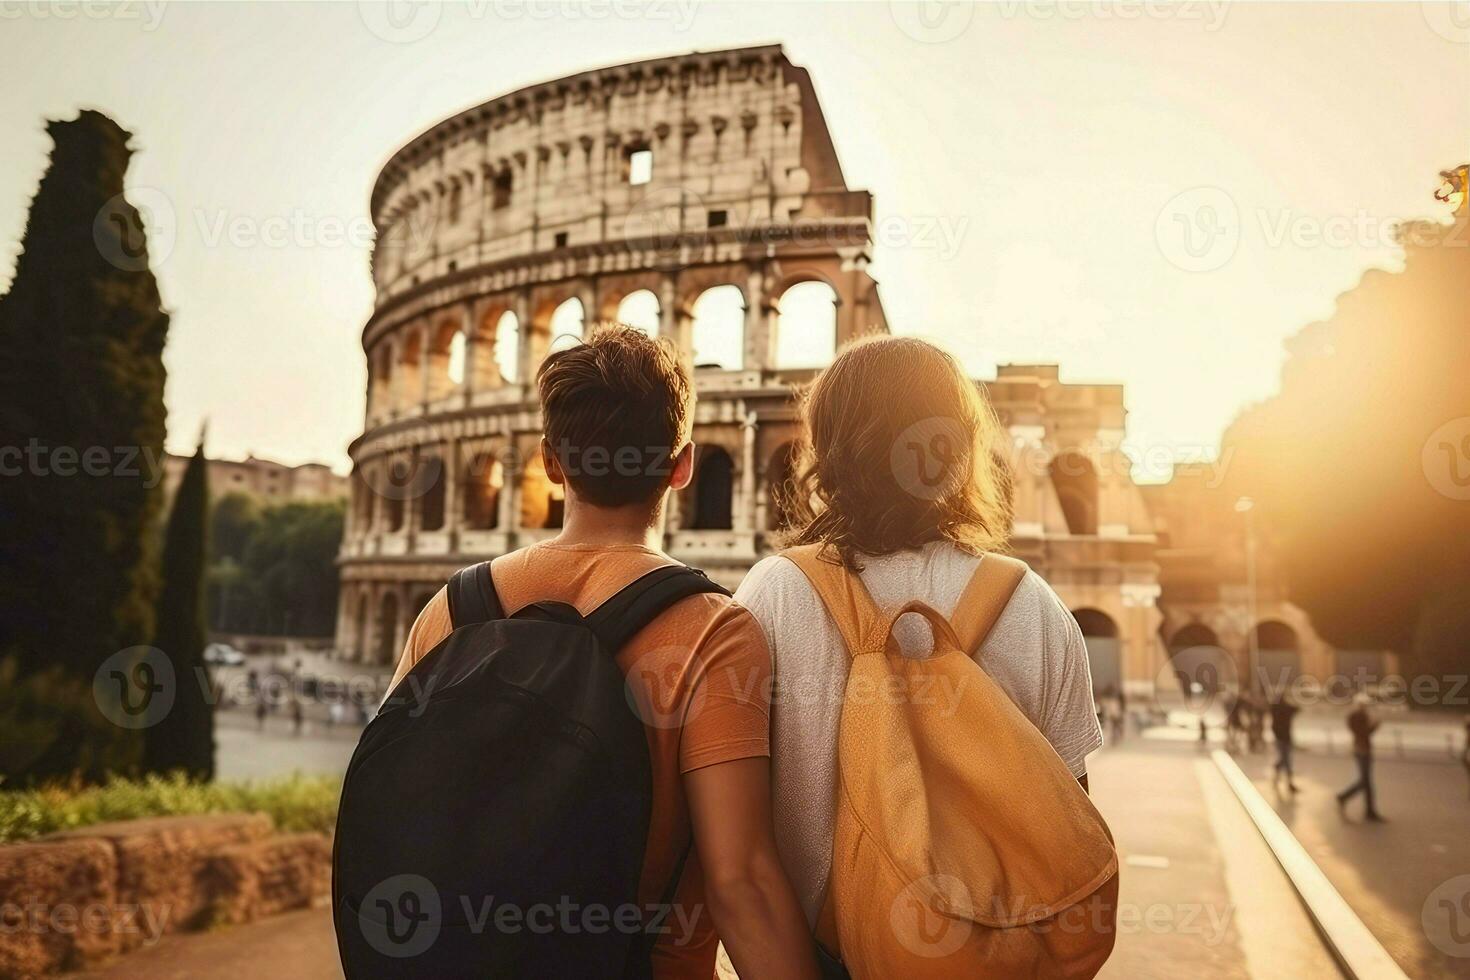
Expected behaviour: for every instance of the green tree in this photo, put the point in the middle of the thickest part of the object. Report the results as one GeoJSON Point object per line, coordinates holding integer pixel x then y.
{"type": "Point", "coordinates": [1361, 464]}
{"type": "Point", "coordinates": [82, 332]}
{"type": "Point", "coordinates": [183, 739]}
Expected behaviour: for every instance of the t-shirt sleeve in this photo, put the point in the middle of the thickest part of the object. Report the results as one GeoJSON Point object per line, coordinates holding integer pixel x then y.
{"type": "Point", "coordinates": [427, 632]}
{"type": "Point", "coordinates": [728, 712]}
{"type": "Point", "coordinates": [1070, 721]}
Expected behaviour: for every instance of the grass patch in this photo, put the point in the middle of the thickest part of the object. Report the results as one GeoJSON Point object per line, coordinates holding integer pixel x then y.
{"type": "Point", "coordinates": [296, 803]}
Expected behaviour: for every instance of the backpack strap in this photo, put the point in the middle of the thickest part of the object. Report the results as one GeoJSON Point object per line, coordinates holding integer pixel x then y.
{"type": "Point", "coordinates": [858, 618]}
{"type": "Point", "coordinates": [639, 603]}
{"type": "Point", "coordinates": [985, 598]}
{"type": "Point", "coordinates": [472, 596]}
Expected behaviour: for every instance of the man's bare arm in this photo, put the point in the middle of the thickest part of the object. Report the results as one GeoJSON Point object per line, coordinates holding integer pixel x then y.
{"type": "Point", "coordinates": [751, 901]}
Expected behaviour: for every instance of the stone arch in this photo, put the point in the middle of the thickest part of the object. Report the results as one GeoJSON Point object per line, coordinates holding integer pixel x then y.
{"type": "Point", "coordinates": [444, 338]}
{"type": "Point", "coordinates": [435, 486]}
{"type": "Point", "coordinates": [381, 379]}
{"type": "Point", "coordinates": [806, 324]}
{"type": "Point", "coordinates": [410, 369]}
{"type": "Point", "coordinates": [1075, 481]}
{"type": "Point", "coordinates": [497, 348]}
{"type": "Point", "coordinates": [1198, 662]}
{"type": "Point", "coordinates": [542, 502]}
{"type": "Point", "coordinates": [1278, 653]}
{"type": "Point", "coordinates": [568, 318]}
{"type": "Point", "coordinates": [360, 627]}
{"type": "Point", "coordinates": [482, 483]}
{"type": "Point", "coordinates": [779, 473]}
{"type": "Point", "coordinates": [711, 501]}
{"type": "Point", "coordinates": [1104, 650]}
{"type": "Point", "coordinates": [639, 309]}
{"type": "Point", "coordinates": [386, 651]}
{"type": "Point", "coordinates": [717, 334]}
{"type": "Point", "coordinates": [399, 473]}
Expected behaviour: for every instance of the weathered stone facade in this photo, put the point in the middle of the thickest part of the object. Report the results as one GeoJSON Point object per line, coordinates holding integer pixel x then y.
{"type": "Point", "coordinates": [497, 222]}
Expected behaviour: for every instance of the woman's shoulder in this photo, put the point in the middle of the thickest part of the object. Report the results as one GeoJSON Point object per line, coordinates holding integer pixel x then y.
{"type": "Point", "coordinates": [771, 580]}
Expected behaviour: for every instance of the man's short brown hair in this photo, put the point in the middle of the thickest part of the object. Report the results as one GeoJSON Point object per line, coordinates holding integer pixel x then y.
{"type": "Point", "coordinates": [615, 410]}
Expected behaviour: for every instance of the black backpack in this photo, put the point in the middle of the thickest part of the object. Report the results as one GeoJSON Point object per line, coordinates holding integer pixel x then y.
{"type": "Point", "coordinates": [495, 812]}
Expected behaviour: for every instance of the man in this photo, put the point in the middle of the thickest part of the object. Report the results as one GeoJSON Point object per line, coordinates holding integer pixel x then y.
{"type": "Point", "coordinates": [1362, 724]}
{"type": "Point", "coordinates": [1283, 713]}
{"type": "Point", "coordinates": [616, 415]}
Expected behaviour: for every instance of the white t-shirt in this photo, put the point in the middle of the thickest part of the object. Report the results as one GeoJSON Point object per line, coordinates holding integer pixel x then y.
{"type": "Point", "coordinates": [1035, 653]}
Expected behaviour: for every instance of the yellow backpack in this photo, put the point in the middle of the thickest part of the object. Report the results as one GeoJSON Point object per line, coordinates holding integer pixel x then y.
{"type": "Point", "coordinates": [963, 846]}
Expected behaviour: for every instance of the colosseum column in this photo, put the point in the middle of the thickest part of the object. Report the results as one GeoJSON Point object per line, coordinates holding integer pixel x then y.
{"type": "Point", "coordinates": [587, 296]}
{"type": "Point", "coordinates": [450, 475]}
{"type": "Point", "coordinates": [472, 353]}
{"type": "Point", "coordinates": [745, 514]}
{"type": "Point", "coordinates": [668, 311]}
{"type": "Point", "coordinates": [757, 356]}
{"type": "Point", "coordinates": [425, 344]}
{"type": "Point", "coordinates": [508, 504]}
{"type": "Point", "coordinates": [526, 350]}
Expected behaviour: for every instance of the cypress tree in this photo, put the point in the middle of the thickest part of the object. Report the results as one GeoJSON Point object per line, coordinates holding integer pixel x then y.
{"type": "Point", "coordinates": [183, 739]}
{"type": "Point", "coordinates": [82, 331]}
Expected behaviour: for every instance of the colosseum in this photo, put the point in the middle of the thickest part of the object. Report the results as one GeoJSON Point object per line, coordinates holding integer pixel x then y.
{"type": "Point", "coordinates": [700, 197]}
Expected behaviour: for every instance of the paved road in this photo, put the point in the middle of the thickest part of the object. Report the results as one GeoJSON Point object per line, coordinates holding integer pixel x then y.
{"type": "Point", "coordinates": [1389, 873]}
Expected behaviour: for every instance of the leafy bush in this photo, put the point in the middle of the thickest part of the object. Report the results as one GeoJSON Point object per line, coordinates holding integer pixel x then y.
{"type": "Point", "coordinates": [53, 729]}
{"type": "Point", "coordinates": [297, 803]}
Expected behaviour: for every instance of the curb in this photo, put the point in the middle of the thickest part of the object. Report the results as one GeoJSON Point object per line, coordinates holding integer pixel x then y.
{"type": "Point", "coordinates": [1357, 951]}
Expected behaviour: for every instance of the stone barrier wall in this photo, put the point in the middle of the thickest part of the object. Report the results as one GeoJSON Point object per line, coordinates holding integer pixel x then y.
{"type": "Point", "coordinates": [72, 899]}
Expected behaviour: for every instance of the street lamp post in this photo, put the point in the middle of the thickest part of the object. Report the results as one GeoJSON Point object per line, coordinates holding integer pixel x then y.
{"type": "Point", "coordinates": [1247, 506]}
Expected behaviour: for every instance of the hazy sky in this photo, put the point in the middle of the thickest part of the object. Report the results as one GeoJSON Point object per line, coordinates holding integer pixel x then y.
{"type": "Point", "coordinates": [1152, 194]}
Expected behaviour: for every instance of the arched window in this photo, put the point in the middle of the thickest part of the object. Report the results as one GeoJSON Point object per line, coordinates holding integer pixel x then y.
{"type": "Point", "coordinates": [399, 474]}
{"type": "Point", "coordinates": [410, 374]}
{"type": "Point", "coordinates": [431, 502]}
{"type": "Point", "coordinates": [1076, 484]}
{"type": "Point", "coordinates": [806, 326]}
{"type": "Point", "coordinates": [714, 491]}
{"type": "Point", "coordinates": [442, 379]}
{"type": "Point", "coordinates": [484, 478]}
{"type": "Point", "coordinates": [640, 309]}
{"type": "Point", "coordinates": [568, 319]}
{"type": "Point", "coordinates": [507, 346]}
{"type": "Point", "coordinates": [542, 502]}
{"type": "Point", "coordinates": [387, 651]}
{"type": "Point", "coordinates": [455, 368]}
{"type": "Point", "coordinates": [382, 386]}
{"type": "Point", "coordinates": [360, 639]}
{"type": "Point", "coordinates": [718, 334]}
{"type": "Point", "coordinates": [1104, 657]}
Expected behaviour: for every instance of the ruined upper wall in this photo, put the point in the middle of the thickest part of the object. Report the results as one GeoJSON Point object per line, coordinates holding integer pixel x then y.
{"type": "Point", "coordinates": [738, 147]}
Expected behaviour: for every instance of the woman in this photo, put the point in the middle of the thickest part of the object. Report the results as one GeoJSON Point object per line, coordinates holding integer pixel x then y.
{"type": "Point", "coordinates": [900, 476]}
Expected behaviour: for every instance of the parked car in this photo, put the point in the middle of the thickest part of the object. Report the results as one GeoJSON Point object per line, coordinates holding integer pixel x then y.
{"type": "Point", "coordinates": [223, 655]}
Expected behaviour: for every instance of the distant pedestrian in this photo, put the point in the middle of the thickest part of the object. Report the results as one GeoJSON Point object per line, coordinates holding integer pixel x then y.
{"type": "Point", "coordinates": [1362, 724]}
{"type": "Point", "coordinates": [298, 716]}
{"type": "Point", "coordinates": [260, 712]}
{"type": "Point", "coordinates": [1283, 714]}
{"type": "Point", "coordinates": [1255, 719]}
{"type": "Point", "coordinates": [1234, 721]}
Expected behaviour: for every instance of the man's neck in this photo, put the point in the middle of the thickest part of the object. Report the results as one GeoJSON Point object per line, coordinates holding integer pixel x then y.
{"type": "Point", "coordinates": [609, 527]}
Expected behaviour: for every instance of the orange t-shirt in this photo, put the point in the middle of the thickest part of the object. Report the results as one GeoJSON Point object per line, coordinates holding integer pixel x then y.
{"type": "Point", "coordinates": [700, 674]}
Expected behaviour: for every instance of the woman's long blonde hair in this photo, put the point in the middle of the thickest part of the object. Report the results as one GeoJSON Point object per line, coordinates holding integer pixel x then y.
{"type": "Point", "coordinates": [897, 448]}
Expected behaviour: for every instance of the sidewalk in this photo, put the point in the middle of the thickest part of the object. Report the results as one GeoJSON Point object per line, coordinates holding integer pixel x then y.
{"type": "Point", "coordinates": [1201, 895]}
